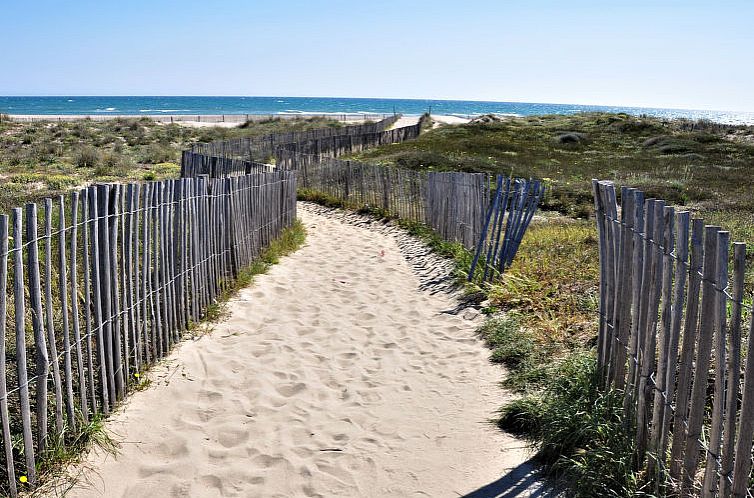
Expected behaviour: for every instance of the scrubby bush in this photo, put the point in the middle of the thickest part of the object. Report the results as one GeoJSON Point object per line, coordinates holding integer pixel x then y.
{"type": "Point", "coordinates": [60, 182]}
{"type": "Point", "coordinates": [571, 137]}
{"type": "Point", "coordinates": [157, 153]}
{"type": "Point", "coordinates": [670, 145]}
{"type": "Point", "coordinates": [113, 164]}
{"type": "Point", "coordinates": [86, 157]}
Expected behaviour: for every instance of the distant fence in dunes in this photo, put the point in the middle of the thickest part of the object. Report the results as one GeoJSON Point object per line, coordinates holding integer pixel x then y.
{"type": "Point", "coordinates": [670, 339]}
{"type": "Point", "coordinates": [487, 218]}
{"type": "Point", "coordinates": [453, 204]}
{"type": "Point", "coordinates": [101, 284]}
{"type": "Point", "coordinates": [238, 156]}
{"type": "Point", "coordinates": [458, 206]}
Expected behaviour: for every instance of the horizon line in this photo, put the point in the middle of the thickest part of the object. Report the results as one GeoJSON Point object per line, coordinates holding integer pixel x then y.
{"type": "Point", "coordinates": [384, 98]}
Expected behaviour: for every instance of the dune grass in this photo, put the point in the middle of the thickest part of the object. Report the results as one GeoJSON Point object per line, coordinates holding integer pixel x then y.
{"type": "Point", "coordinates": [43, 159]}
{"type": "Point", "coordinates": [697, 164]}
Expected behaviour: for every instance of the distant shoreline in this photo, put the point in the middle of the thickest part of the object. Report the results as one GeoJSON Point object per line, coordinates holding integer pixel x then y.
{"type": "Point", "coordinates": [199, 118]}
{"type": "Point", "coordinates": [163, 108]}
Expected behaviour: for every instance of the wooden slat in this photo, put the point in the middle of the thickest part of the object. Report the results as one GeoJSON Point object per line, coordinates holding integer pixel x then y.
{"type": "Point", "coordinates": [20, 329]}
{"type": "Point", "coordinates": [734, 368]}
{"type": "Point", "coordinates": [78, 345]}
{"type": "Point", "coordinates": [4, 415]}
{"type": "Point", "coordinates": [690, 337]}
{"type": "Point", "coordinates": [63, 296]}
{"type": "Point", "coordinates": [41, 358]}
{"type": "Point", "coordinates": [49, 321]}
{"type": "Point", "coordinates": [704, 350]}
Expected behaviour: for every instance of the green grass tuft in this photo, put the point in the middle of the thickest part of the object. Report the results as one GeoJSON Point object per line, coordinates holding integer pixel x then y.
{"type": "Point", "coordinates": [578, 431]}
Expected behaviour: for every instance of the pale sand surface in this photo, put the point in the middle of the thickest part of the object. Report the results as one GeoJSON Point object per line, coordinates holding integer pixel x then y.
{"type": "Point", "coordinates": [334, 375]}
{"type": "Point", "coordinates": [404, 121]}
{"type": "Point", "coordinates": [452, 120]}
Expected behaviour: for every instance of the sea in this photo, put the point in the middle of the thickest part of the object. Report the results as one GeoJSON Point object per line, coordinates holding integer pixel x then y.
{"type": "Point", "coordinates": [141, 105]}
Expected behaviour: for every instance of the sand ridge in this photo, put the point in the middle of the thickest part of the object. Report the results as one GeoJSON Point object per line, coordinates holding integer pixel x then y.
{"type": "Point", "coordinates": [334, 375]}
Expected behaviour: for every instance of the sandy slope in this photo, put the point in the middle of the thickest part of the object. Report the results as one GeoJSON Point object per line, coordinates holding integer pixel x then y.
{"type": "Point", "coordinates": [333, 376]}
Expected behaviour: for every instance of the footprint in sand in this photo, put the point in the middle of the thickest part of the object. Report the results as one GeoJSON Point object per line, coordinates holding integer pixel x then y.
{"type": "Point", "coordinates": [231, 436]}
{"type": "Point", "coordinates": [289, 390]}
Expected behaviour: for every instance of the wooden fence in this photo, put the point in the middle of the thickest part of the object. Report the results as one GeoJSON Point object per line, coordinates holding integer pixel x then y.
{"type": "Point", "coordinates": [456, 205]}
{"type": "Point", "coordinates": [283, 148]}
{"type": "Point", "coordinates": [670, 338]}
{"type": "Point", "coordinates": [512, 208]}
{"type": "Point", "coordinates": [101, 284]}
{"type": "Point", "coordinates": [453, 204]}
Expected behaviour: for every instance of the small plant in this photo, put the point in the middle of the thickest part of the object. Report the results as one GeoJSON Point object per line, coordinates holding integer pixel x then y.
{"type": "Point", "coordinates": [113, 164]}
{"type": "Point", "coordinates": [511, 344]}
{"type": "Point", "coordinates": [157, 153]}
{"type": "Point", "coordinates": [60, 182]}
{"type": "Point", "coordinates": [86, 157]}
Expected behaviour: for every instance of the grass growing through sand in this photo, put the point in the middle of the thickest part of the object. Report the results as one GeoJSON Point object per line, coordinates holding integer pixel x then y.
{"type": "Point", "coordinates": [44, 159]}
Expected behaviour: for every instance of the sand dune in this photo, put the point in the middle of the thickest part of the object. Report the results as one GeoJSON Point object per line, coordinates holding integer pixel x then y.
{"type": "Point", "coordinates": [334, 375]}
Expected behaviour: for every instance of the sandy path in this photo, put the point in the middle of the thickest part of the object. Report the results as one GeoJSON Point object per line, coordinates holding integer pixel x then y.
{"type": "Point", "coordinates": [404, 121]}
{"type": "Point", "coordinates": [334, 375]}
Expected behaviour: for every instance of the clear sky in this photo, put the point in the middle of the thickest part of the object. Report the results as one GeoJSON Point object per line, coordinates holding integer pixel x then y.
{"type": "Point", "coordinates": [685, 54]}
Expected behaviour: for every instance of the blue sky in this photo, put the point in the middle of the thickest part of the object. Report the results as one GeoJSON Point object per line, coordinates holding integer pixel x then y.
{"type": "Point", "coordinates": [684, 54]}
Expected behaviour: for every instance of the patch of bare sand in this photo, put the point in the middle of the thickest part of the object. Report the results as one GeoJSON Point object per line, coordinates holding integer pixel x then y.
{"type": "Point", "coordinates": [334, 375]}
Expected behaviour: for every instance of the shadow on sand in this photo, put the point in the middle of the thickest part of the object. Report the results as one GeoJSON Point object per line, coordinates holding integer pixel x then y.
{"type": "Point", "coordinates": [524, 481]}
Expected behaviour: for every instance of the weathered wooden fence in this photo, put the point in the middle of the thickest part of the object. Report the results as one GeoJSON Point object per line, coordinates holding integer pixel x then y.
{"type": "Point", "coordinates": [238, 155]}
{"type": "Point", "coordinates": [514, 203]}
{"type": "Point", "coordinates": [101, 284]}
{"type": "Point", "coordinates": [453, 204]}
{"type": "Point", "coordinates": [670, 337]}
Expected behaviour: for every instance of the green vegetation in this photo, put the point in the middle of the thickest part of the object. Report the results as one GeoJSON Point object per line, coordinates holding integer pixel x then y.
{"type": "Point", "coordinates": [66, 448]}
{"type": "Point", "coordinates": [43, 159]}
{"type": "Point", "coordinates": [698, 164]}
{"type": "Point", "coordinates": [578, 430]}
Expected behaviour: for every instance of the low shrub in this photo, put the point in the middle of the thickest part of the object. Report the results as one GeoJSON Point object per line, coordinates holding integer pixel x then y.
{"type": "Point", "coordinates": [86, 157]}
{"type": "Point", "coordinates": [60, 182]}
{"type": "Point", "coordinates": [571, 138]}
{"type": "Point", "coordinates": [157, 153]}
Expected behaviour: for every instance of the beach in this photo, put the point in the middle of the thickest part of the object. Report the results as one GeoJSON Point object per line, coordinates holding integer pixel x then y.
{"type": "Point", "coordinates": [234, 120]}
{"type": "Point", "coordinates": [341, 372]}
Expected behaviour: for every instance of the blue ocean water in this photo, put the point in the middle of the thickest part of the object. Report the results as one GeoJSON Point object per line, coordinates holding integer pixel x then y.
{"type": "Point", "coordinates": [291, 105]}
